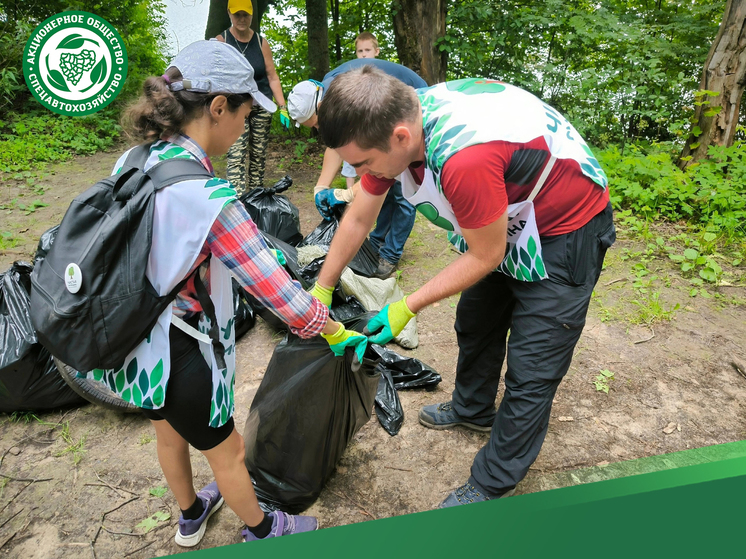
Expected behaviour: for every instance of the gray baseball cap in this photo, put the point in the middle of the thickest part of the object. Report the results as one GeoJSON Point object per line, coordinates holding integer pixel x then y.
{"type": "Point", "coordinates": [213, 66]}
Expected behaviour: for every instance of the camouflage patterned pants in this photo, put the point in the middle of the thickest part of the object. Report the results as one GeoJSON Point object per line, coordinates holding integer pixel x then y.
{"type": "Point", "coordinates": [252, 143]}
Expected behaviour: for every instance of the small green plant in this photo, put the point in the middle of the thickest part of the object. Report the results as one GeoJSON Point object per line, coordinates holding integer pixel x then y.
{"type": "Point", "coordinates": [146, 438]}
{"type": "Point", "coordinates": [76, 448]}
{"type": "Point", "coordinates": [147, 524]}
{"type": "Point", "coordinates": [601, 382]}
{"type": "Point", "coordinates": [650, 310]}
{"type": "Point", "coordinates": [22, 417]}
{"type": "Point", "coordinates": [159, 491]}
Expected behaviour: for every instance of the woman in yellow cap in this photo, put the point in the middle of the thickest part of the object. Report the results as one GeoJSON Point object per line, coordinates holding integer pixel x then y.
{"type": "Point", "coordinates": [253, 142]}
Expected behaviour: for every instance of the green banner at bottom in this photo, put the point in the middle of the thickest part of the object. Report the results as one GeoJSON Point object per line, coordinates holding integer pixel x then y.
{"type": "Point", "coordinates": [690, 511]}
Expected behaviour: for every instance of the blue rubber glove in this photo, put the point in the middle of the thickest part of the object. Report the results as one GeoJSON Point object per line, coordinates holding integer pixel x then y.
{"type": "Point", "coordinates": [390, 321]}
{"type": "Point", "coordinates": [347, 338]}
{"type": "Point", "coordinates": [326, 200]}
{"type": "Point", "coordinates": [284, 118]}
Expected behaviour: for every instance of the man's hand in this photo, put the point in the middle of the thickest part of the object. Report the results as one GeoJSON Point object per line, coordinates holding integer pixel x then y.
{"type": "Point", "coordinates": [327, 199]}
{"type": "Point", "coordinates": [323, 294]}
{"type": "Point", "coordinates": [390, 321]}
{"type": "Point", "coordinates": [343, 339]}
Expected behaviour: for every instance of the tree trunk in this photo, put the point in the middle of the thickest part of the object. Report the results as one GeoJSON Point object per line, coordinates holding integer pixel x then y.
{"type": "Point", "coordinates": [218, 20]}
{"type": "Point", "coordinates": [337, 38]}
{"type": "Point", "coordinates": [318, 38]}
{"type": "Point", "coordinates": [725, 74]}
{"type": "Point", "coordinates": [417, 25]}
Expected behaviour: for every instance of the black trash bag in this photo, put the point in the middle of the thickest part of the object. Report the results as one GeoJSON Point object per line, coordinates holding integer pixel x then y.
{"type": "Point", "coordinates": [388, 406]}
{"type": "Point", "coordinates": [346, 310]}
{"type": "Point", "coordinates": [45, 244]}
{"type": "Point", "coordinates": [407, 372]}
{"type": "Point", "coordinates": [243, 311]}
{"type": "Point", "coordinates": [274, 213]}
{"type": "Point", "coordinates": [310, 271]}
{"type": "Point", "coordinates": [29, 380]}
{"type": "Point", "coordinates": [307, 409]}
{"type": "Point", "coordinates": [365, 262]}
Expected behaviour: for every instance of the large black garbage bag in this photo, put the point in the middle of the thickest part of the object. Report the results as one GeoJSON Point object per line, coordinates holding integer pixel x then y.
{"type": "Point", "coordinates": [388, 406]}
{"type": "Point", "coordinates": [242, 310]}
{"type": "Point", "coordinates": [406, 372]}
{"type": "Point", "coordinates": [29, 380]}
{"type": "Point", "coordinates": [365, 261]}
{"type": "Point", "coordinates": [273, 213]}
{"type": "Point", "coordinates": [307, 409]}
{"type": "Point", "coordinates": [346, 309]}
{"type": "Point", "coordinates": [45, 244]}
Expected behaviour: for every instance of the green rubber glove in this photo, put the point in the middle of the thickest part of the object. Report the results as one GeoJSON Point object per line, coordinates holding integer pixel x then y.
{"type": "Point", "coordinates": [280, 256]}
{"type": "Point", "coordinates": [284, 118]}
{"type": "Point", "coordinates": [323, 294]}
{"type": "Point", "coordinates": [347, 338]}
{"type": "Point", "coordinates": [390, 321]}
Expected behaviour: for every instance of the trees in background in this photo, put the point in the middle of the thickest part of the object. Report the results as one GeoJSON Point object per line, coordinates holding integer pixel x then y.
{"type": "Point", "coordinates": [721, 87]}
{"type": "Point", "coordinates": [418, 27]}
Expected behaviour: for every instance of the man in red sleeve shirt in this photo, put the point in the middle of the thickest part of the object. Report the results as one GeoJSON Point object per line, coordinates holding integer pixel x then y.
{"type": "Point", "coordinates": [522, 196]}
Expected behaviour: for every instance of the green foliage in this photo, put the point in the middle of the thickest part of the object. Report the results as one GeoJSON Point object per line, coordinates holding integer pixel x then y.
{"type": "Point", "coordinates": [616, 69]}
{"type": "Point", "coordinates": [601, 381]}
{"type": "Point", "coordinates": [38, 136]}
{"type": "Point", "coordinates": [711, 194]}
{"type": "Point", "coordinates": [159, 491]}
{"type": "Point", "coordinates": [147, 524]}
{"type": "Point", "coordinates": [31, 136]}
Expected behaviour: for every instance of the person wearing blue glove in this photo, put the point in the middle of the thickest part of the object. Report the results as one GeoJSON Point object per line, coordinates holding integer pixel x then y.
{"type": "Point", "coordinates": [526, 203]}
{"type": "Point", "coordinates": [396, 218]}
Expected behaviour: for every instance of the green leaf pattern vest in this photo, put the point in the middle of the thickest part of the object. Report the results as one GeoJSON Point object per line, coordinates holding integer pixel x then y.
{"type": "Point", "coordinates": [184, 214]}
{"type": "Point", "coordinates": [473, 111]}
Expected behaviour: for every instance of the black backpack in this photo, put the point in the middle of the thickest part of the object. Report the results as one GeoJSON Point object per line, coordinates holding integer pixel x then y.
{"type": "Point", "coordinates": [91, 303]}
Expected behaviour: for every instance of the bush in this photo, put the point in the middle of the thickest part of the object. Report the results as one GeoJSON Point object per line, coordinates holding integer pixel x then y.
{"type": "Point", "coordinates": [710, 194]}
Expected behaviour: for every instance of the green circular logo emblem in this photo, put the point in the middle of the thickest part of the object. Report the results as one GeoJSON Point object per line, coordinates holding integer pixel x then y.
{"type": "Point", "coordinates": [75, 63]}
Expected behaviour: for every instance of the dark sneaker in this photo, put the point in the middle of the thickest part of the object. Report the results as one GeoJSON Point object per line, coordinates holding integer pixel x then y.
{"type": "Point", "coordinates": [385, 269]}
{"type": "Point", "coordinates": [443, 416]}
{"type": "Point", "coordinates": [467, 494]}
{"type": "Point", "coordinates": [190, 532]}
{"type": "Point", "coordinates": [284, 524]}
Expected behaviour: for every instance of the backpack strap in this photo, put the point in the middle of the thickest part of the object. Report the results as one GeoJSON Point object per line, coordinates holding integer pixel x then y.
{"type": "Point", "coordinates": [171, 171]}
{"type": "Point", "coordinates": [542, 178]}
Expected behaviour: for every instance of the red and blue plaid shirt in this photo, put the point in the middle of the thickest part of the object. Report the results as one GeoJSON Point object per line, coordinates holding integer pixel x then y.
{"type": "Point", "coordinates": [236, 241]}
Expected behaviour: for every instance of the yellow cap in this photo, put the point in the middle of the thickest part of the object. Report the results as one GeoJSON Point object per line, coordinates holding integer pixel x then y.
{"type": "Point", "coordinates": [240, 6]}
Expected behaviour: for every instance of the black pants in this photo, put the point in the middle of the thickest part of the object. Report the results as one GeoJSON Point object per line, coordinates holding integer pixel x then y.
{"type": "Point", "coordinates": [545, 320]}
{"type": "Point", "coordinates": [189, 395]}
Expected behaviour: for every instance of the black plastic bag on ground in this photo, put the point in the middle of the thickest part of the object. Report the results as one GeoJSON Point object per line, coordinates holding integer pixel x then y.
{"type": "Point", "coordinates": [273, 213]}
{"type": "Point", "coordinates": [29, 380]}
{"type": "Point", "coordinates": [45, 244]}
{"type": "Point", "coordinates": [406, 372]}
{"type": "Point", "coordinates": [346, 310]}
{"type": "Point", "coordinates": [242, 310]}
{"type": "Point", "coordinates": [388, 406]}
{"type": "Point", "coordinates": [365, 262]}
{"type": "Point", "coordinates": [307, 409]}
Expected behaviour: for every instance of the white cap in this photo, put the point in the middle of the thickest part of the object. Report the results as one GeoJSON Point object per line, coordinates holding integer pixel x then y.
{"type": "Point", "coordinates": [303, 100]}
{"type": "Point", "coordinates": [212, 66]}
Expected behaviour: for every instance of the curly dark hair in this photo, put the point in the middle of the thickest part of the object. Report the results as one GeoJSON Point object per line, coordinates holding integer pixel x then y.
{"type": "Point", "coordinates": [160, 110]}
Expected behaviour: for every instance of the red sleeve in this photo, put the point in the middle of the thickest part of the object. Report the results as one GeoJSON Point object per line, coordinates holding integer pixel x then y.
{"type": "Point", "coordinates": [473, 183]}
{"type": "Point", "coordinates": [374, 185]}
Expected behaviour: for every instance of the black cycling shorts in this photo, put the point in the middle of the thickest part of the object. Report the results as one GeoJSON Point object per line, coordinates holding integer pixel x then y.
{"type": "Point", "coordinates": [188, 395]}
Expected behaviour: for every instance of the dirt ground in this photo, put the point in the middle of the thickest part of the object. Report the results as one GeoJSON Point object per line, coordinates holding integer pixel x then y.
{"type": "Point", "coordinates": [84, 475]}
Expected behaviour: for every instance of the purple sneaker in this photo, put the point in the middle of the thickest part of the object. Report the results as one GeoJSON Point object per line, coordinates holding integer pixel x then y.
{"type": "Point", "coordinates": [190, 532]}
{"type": "Point", "coordinates": [284, 524]}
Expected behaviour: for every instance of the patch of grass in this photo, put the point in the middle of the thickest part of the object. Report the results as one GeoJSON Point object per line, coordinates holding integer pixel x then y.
{"type": "Point", "coordinates": [75, 448]}
{"type": "Point", "coordinates": [146, 438]}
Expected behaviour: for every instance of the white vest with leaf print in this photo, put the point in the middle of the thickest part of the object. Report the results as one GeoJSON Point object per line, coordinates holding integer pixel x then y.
{"type": "Point", "coordinates": [473, 111]}
{"type": "Point", "coordinates": [184, 214]}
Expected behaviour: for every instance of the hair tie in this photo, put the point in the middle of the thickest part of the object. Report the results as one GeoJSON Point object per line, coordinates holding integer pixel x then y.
{"type": "Point", "coordinates": [166, 79]}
